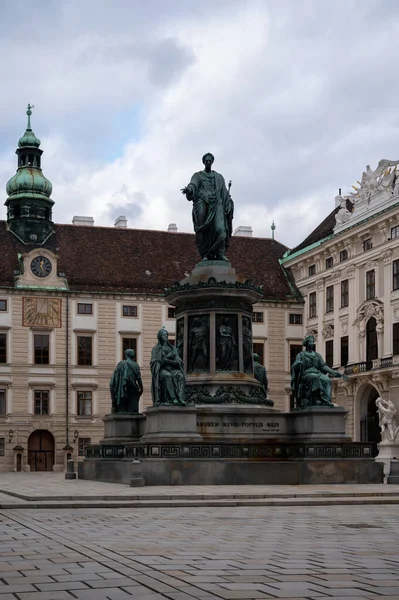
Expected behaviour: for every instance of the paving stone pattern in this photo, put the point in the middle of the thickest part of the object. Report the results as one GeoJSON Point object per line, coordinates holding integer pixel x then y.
{"type": "Point", "coordinates": [205, 553]}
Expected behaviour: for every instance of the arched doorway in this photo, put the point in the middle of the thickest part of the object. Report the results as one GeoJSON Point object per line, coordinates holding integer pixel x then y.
{"type": "Point", "coordinates": [41, 450]}
{"type": "Point", "coordinates": [368, 424]}
{"type": "Point", "coordinates": [371, 341]}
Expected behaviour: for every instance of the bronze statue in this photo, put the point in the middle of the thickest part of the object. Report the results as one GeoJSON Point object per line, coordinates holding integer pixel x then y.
{"type": "Point", "coordinates": [247, 344]}
{"type": "Point", "coordinates": [226, 346]}
{"type": "Point", "coordinates": [260, 374]}
{"type": "Point", "coordinates": [213, 211]}
{"type": "Point", "coordinates": [198, 346]}
{"type": "Point", "coordinates": [168, 380]}
{"type": "Point", "coordinates": [126, 386]}
{"type": "Point", "coordinates": [310, 383]}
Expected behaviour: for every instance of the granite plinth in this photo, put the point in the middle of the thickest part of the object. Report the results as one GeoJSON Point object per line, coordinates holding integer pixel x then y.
{"type": "Point", "coordinates": [393, 477]}
{"type": "Point", "coordinates": [171, 423]}
{"type": "Point", "coordinates": [122, 428]}
{"type": "Point", "coordinates": [239, 422]}
{"type": "Point", "coordinates": [317, 423]}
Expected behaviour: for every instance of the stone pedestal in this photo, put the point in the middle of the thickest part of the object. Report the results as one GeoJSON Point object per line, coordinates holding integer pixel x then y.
{"type": "Point", "coordinates": [393, 477]}
{"type": "Point", "coordinates": [122, 428]}
{"type": "Point", "coordinates": [239, 422]}
{"type": "Point", "coordinates": [169, 424]}
{"type": "Point", "coordinates": [387, 453]}
{"type": "Point", "coordinates": [318, 423]}
{"type": "Point", "coordinates": [214, 335]}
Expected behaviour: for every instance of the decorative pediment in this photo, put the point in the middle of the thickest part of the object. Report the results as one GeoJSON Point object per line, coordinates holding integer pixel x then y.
{"type": "Point", "coordinates": [370, 308]}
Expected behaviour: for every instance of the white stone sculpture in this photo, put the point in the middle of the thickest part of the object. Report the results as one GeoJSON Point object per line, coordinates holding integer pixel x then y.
{"type": "Point", "coordinates": [387, 419]}
{"type": "Point", "coordinates": [374, 181]}
{"type": "Point", "coordinates": [343, 215]}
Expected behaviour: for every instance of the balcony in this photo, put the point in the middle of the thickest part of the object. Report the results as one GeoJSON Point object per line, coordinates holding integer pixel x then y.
{"type": "Point", "coordinates": [362, 367]}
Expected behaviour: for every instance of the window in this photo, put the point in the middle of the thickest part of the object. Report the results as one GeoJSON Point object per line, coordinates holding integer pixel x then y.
{"type": "Point", "coordinates": [329, 353]}
{"type": "Point", "coordinates": [41, 402]}
{"type": "Point", "coordinates": [312, 304]}
{"type": "Point", "coordinates": [312, 270]}
{"type": "Point", "coordinates": [344, 350]}
{"type": "Point", "coordinates": [395, 338]}
{"type": "Point", "coordinates": [84, 404]}
{"type": "Point", "coordinates": [329, 299]}
{"type": "Point", "coordinates": [329, 262]}
{"type": "Point", "coordinates": [3, 305]}
{"type": "Point", "coordinates": [367, 244]}
{"type": "Point", "coordinates": [257, 317]}
{"type": "Point", "coordinates": [85, 309]}
{"type": "Point", "coordinates": [129, 311]}
{"type": "Point", "coordinates": [129, 343]}
{"type": "Point", "coordinates": [2, 446]}
{"type": "Point", "coordinates": [295, 349]}
{"type": "Point", "coordinates": [395, 274]}
{"type": "Point", "coordinates": [171, 312]}
{"type": "Point", "coordinates": [343, 255]}
{"type": "Point", "coordinates": [295, 319]}
{"type": "Point", "coordinates": [85, 350]}
{"type": "Point", "coordinates": [370, 284]}
{"type": "Point", "coordinates": [82, 443]}
{"type": "Point", "coordinates": [258, 348]}
{"type": "Point", "coordinates": [3, 405]}
{"type": "Point", "coordinates": [3, 348]}
{"type": "Point", "coordinates": [344, 293]}
{"type": "Point", "coordinates": [42, 349]}
{"type": "Point", "coordinates": [395, 232]}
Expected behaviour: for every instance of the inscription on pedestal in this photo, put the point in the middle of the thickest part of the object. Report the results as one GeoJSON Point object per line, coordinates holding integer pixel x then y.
{"type": "Point", "coordinates": [238, 426]}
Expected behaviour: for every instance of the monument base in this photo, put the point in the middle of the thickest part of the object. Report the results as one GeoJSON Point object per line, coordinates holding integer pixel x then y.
{"type": "Point", "coordinates": [388, 452]}
{"type": "Point", "coordinates": [393, 477]}
{"type": "Point", "coordinates": [120, 428]}
{"type": "Point", "coordinates": [171, 423]}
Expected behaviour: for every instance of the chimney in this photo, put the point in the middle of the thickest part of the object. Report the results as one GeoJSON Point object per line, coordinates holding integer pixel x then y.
{"type": "Point", "coordinates": [86, 221]}
{"type": "Point", "coordinates": [172, 228]}
{"type": "Point", "coordinates": [338, 198]}
{"type": "Point", "coordinates": [243, 231]}
{"type": "Point", "coordinates": [121, 222]}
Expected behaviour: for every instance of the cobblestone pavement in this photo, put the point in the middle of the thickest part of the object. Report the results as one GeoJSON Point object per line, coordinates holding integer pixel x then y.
{"type": "Point", "coordinates": [204, 554]}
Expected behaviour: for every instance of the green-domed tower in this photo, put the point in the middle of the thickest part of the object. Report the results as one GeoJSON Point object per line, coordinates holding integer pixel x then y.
{"type": "Point", "coordinates": [29, 206]}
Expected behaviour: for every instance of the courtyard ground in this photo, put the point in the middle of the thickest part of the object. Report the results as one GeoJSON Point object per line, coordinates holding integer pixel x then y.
{"type": "Point", "coordinates": [203, 552]}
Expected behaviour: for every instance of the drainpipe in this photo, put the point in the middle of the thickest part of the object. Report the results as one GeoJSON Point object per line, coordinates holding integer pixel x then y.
{"type": "Point", "coordinates": [67, 371]}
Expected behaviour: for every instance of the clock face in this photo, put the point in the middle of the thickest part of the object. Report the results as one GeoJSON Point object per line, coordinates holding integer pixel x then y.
{"type": "Point", "coordinates": [40, 266]}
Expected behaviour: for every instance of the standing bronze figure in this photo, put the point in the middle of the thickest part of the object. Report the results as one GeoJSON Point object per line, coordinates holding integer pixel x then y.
{"type": "Point", "coordinates": [213, 211]}
{"type": "Point", "coordinates": [126, 386]}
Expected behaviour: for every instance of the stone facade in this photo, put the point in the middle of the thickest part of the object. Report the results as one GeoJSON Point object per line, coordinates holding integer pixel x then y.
{"type": "Point", "coordinates": [347, 272]}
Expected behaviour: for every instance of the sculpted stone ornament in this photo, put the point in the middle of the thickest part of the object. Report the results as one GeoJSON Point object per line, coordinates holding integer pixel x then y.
{"type": "Point", "coordinates": [387, 419]}
{"type": "Point", "coordinates": [126, 386]}
{"type": "Point", "coordinates": [260, 374]}
{"type": "Point", "coordinates": [310, 383]}
{"type": "Point", "coordinates": [167, 370]}
{"type": "Point", "coordinates": [343, 215]}
{"type": "Point", "coordinates": [213, 211]}
{"type": "Point", "coordinates": [374, 181]}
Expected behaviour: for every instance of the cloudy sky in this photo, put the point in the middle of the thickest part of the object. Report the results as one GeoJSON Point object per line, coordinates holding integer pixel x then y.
{"type": "Point", "coordinates": [294, 98]}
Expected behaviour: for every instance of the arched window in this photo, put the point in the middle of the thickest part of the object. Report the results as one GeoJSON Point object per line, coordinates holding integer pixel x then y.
{"type": "Point", "coordinates": [17, 211]}
{"type": "Point", "coordinates": [22, 160]}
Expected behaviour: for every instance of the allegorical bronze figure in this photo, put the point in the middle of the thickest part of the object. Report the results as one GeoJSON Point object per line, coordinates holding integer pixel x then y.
{"type": "Point", "coordinates": [213, 211]}
{"type": "Point", "coordinates": [126, 386]}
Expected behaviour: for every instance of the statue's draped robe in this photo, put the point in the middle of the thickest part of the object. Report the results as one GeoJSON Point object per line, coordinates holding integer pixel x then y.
{"type": "Point", "coordinates": [261, 375]}
{"type": "Point", "coordinates": [309, 380]}
{"type": "Point", "coordinates": [126, 386]}
{"type": "Point", "coordinates": [213, 211]}
{"type": "Point", "coordinates": [168, 382]}
{"type": "Point", "coordinates": [226, 347]}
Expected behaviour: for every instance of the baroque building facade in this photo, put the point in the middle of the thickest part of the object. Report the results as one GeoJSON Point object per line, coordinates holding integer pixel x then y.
{"type": "Point", "coordinates": [74, 297]}
{"type": "Point", "coordinates": [347, 271]}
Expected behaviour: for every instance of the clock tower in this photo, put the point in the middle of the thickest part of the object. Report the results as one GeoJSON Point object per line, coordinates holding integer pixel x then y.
{"type": "Point", "coordinates": [29, 206]}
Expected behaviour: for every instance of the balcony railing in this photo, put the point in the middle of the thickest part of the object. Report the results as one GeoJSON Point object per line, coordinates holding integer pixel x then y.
{"type": "Point", "coordinates": [361, 367]}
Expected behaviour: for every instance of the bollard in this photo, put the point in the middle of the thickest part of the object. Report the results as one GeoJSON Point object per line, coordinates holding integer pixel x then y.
{"type": "Point", "coordinates": [136, 474]}
{"type": "Point", "coordinates": [70, 472]}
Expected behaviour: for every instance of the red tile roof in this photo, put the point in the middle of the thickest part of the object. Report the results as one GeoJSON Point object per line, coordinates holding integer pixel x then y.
{"type": "Point", "coordinates": [109, 259]}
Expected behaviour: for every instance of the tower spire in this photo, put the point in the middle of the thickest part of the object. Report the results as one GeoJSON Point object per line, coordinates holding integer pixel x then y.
{"type": "Point", "coordinates": [273, 227]}
{"type": "Point", "coordinates": [29, 112]}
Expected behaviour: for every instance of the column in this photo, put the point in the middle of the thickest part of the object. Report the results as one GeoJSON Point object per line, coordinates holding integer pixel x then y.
{"type": "Point", "coordinates": [386, 350]}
